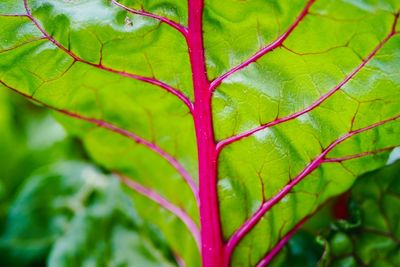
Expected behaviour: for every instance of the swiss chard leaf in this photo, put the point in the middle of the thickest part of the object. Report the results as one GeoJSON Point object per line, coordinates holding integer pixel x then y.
{"type": "Point", "coordinates": [254, 111]}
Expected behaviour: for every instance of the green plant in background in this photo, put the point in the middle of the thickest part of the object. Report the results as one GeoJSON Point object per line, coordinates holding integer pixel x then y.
{"type": "Point", "coordinates": [232, 121]}
{"type": "Point", "coordinates": [76, 216]}
{"type": "Point", "coordinates": [368, 236]}
{"type": "Point", "coordinates": [29, 138]}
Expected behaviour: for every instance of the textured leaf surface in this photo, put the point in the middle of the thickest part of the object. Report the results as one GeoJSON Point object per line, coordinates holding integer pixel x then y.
{"type": "Point", "coordinates": [305, 97]}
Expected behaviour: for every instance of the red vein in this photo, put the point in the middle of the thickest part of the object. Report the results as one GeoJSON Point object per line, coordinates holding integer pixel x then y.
{"type": "Point", "coordinates": [360, 155]}
{"type": "Point", "coordinates": [179, 260]}
{"type": "Point", "coordinates": [277, 247]}
{"type": "Point", "coordinates": [179, 27]}
{"type": "Point", "coordinates": [272, 253]}
{"type": "Point", "coordinates": [22, 44]}
{"type": "Point", "coordinates": [275, 44]}
{"type": "Point", "coordinates": [12, 15]}
{"type": "Point", "coordinates": [266, 206]}
{"type": "Point", "coordinates": [100, 66]}
{"type": "Point", "coordinates": [314, 53]}
{"type": "Point", "coordinates": [275, 250]}
{"type": "Point", "coordinates": [106, 125]}
{"type": "Point", "coordinates": [317, 103]}
{"type": "Point", "coordinates": [164, 203]}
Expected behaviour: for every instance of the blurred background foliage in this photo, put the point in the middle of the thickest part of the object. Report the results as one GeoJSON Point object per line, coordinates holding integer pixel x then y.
{"type": "Point", "coordinates": [57, 209]}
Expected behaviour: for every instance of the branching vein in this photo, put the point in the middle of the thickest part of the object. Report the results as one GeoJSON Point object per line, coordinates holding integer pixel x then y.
{"type": "Point", "coordinates": [275, 44]}
{"type": "Point", "coordinates": [179, 27]}
{"type": "Point", "coordinates": [164, 203]}
{"type": "Point", "coordinates": [318, 161]}
{"type": "Point", "coordinates": [139, 140]}
{"type": "Point", "coordinates": [100, 66]}
{"type": "Point", "coordinates": [317, 103]}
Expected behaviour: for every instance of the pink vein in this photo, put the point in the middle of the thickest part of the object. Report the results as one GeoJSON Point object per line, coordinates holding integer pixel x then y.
{"type": "Point", "coordinates": [275, 44]}
{"type": "Point", "coordinates": [274, 251]}
{"type": "Point", "coordinates": [178, 212]}
{"type": "Point", "coordinates": [179, 260]}
{"type": "Point", "coordinates": [362, 154]}
{"type": "Point", "coordinates": [22, 44]}
{"type": "Point", "coordinates": [314, 105]}
{"type": "Point", "coordinates": [179, 27]}
{"type": "Point", "coordinates": [271, 254]}
{"type": "Point", "coordinates": [106, 125]}
{"type": "Point", "coordinates": [12, 15]}
{"type": "Point", "coordinates": [266, 206]}
{"type": "Point", "coordinates": [148, 80]}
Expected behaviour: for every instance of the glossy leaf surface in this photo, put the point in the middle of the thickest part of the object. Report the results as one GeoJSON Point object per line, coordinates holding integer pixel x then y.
{"type": "Point", "coordinates": [303, 97]}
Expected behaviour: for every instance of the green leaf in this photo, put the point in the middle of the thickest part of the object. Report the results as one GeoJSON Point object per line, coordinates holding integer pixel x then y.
{"type": "Point", "coordinates": [285, 101]}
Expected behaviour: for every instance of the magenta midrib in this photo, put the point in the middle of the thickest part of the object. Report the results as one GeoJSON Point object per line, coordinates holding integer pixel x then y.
{"type": "Point", "coordinates": [211, 232]}
{"type": "Point", "coordinates": [215, 227]}
{"type": "Point", "coordinates": [200, 75]}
